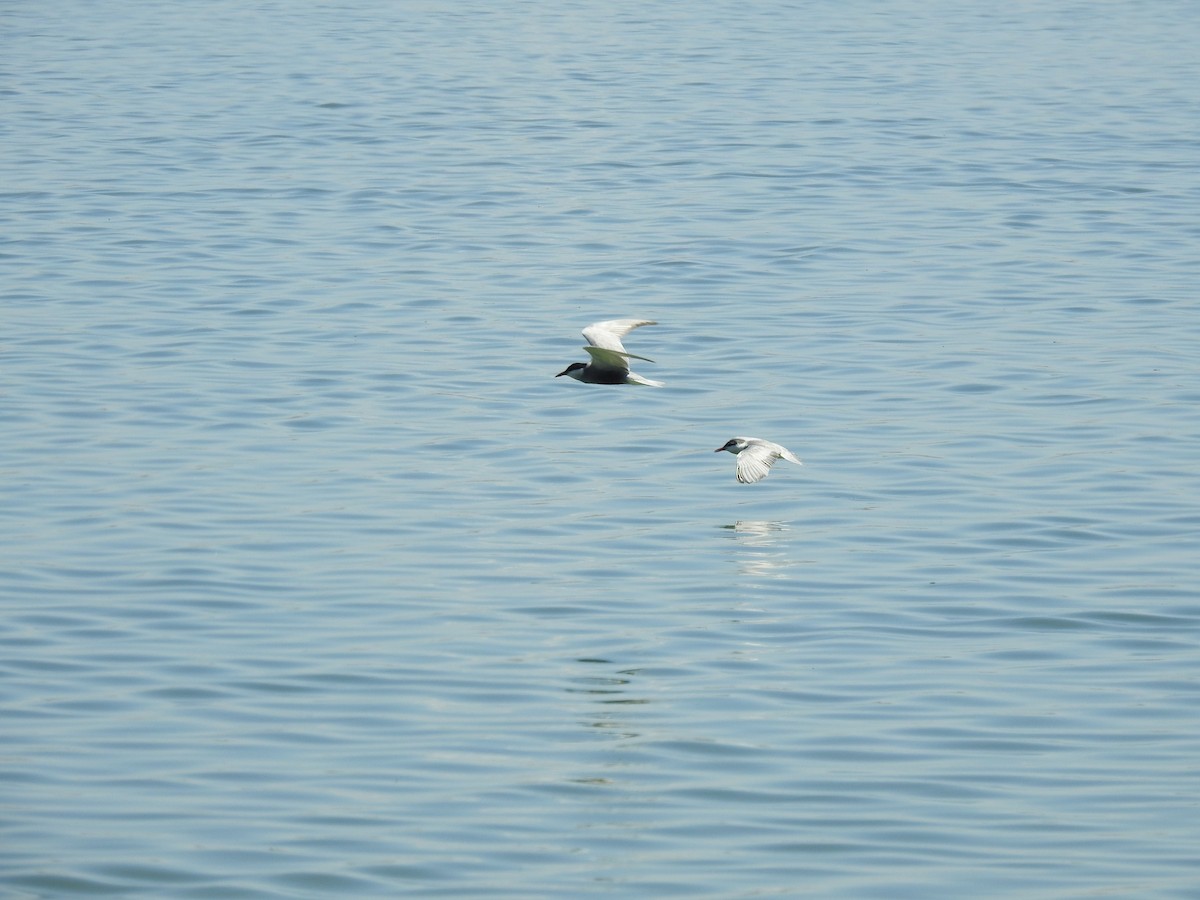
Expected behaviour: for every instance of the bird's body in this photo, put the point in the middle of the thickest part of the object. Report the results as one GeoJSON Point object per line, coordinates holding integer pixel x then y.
{"type": "Point", "coordinates": [755, 457]}
{"type": "Point", "coordinates": [610, 361]}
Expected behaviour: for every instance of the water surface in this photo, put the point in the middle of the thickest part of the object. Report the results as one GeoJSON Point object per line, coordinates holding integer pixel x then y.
{"type": "Point", "coordinates": [317, 583]}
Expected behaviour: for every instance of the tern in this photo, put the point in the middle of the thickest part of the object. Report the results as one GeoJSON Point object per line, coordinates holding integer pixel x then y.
{"type": "Point", "coordinates": [755, 457]}
{"type": "Point", "coordinates": [610, 361]}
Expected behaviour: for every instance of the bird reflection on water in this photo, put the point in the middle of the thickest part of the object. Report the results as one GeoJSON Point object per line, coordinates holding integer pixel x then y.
{"type": "Point", "coordinates": [754, 540]}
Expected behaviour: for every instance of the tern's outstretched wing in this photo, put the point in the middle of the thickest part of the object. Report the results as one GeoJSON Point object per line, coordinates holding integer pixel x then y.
{"type": "Point", "coordinates": [607, 335]}
{"type": "Point", "coordinates": [609, 360]}
{"type": "Point", "coordinates": [755, 461]}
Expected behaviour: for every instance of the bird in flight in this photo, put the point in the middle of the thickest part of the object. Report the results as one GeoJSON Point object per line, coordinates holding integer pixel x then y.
{"type": "Point", "coordinates": [755, 457]}
{"type": "Point", "coordinates": [610, 361]}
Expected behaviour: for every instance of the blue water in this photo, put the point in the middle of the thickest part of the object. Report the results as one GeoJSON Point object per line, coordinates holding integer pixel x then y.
{"type": "Point", "coordinates": [316, 583]}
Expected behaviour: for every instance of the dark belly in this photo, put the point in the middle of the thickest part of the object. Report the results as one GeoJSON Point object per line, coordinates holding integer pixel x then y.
{"type": "Point", "coordinates": [607, 377]}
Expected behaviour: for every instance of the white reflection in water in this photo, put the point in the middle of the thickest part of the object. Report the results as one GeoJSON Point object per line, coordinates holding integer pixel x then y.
{"type": "Point", "coordinates": [757, 546]}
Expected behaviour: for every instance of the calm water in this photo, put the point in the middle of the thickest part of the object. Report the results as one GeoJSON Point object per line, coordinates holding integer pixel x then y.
{"type": "Point", "coordinates": [317, 583]}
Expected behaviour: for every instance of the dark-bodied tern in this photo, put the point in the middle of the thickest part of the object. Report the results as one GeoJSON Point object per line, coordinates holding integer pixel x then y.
{"type": "Point", "coordinates": [610, 361]}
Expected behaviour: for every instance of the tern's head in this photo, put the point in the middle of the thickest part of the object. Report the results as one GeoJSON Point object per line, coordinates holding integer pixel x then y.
{"type": "Point", "coordinates": [575, 370]}
{"type": "Point", "coordinates": [734, 445]}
